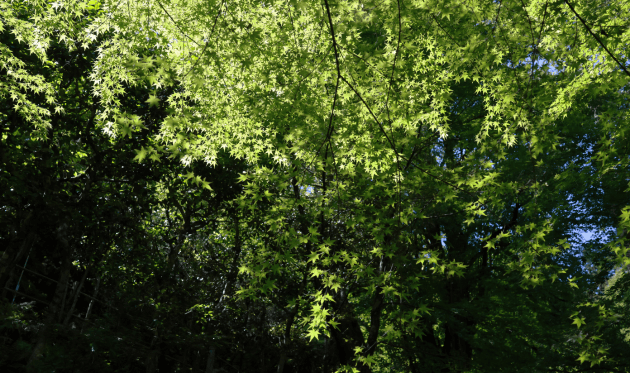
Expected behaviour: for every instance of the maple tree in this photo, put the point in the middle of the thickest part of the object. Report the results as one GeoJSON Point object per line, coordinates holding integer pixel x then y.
{"type": "Point", "coordinates": [359, 186]}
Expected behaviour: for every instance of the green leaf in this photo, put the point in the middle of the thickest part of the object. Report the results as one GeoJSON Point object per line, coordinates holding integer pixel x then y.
{"type": "Point", "coordinates": [579, 321]}
{"type": "Point", "coordinates": [153, 101]}
{"type": "Point", "coordinates": [140, 154]}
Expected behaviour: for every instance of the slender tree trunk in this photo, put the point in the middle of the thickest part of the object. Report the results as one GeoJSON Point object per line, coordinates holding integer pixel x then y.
{"type": "Point", "coordinates": [151, 363]}
{"type": "Point", "coordinates": [231, 277]}
{"type": "Point", "coordinates": [411, 356]}
{"type": "Point", "coordinates": [91, 305]}
{"type": "Point", "coordinates": [326, 354]}
{"type": "Point", "coordinates": [63, 302]}
{"type": "Point", "coordinates": [75, 297]}
{"type": "Point", "coordinates": [287, 339]}
{"type": "Point", "coordinates": [375, 321]}
{"type": "Point", "coordinates": [11, 256]}
{"type": "Point", "coordinates": [196, 362]}
{"type": "Point", "coordinates": [10, 276]}
{"type": "Point", "coordinates": [186, 352]}
{"type": "Point", "coordinates": [210, 362]}
{"type": "Point", "coordinates": [283, 360]}
{"type": "Point", "coordinates": [44, 332]}
{"type": "Point", "coordinates": [375, 327]}
{"type": "Point", "coordinates": [262, 343]}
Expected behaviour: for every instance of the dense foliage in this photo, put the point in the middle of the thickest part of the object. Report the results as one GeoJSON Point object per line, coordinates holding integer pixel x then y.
{"type": "Point", "coordinates": [291, 186]}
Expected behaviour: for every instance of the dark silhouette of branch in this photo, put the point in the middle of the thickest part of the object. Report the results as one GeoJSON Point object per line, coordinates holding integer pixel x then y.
{"type": "Point", "coordinates": [597, 38]}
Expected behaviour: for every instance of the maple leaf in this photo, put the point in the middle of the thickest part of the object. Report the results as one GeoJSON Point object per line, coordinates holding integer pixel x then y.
{"type": "Point", "coordinates": [313, 334]}
{"type": "Point", "coordinates": [154, 157]}
{"type": "Point", "coordinates": [140, 154]}
{"type": "Point", "coordinates": [583, 357]}
{"type": "Point", "coordinates": [579, 321]}
{"type": "Point", "coordinates": [153, 101]}
{"type": "Point", "coordinates": [125, 130]}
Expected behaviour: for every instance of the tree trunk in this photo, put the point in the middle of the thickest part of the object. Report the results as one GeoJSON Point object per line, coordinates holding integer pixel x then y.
{"type": "Point", "coordinates": [89, 310]}
{"type": "Point", "coordinates": [283, 360]}
{"type": "Point", "coordinates": [63, 302]}
{"type": "Point", "coordinates": [196, 362]}
{"type": "Point", "coordinates": [12, 256]}
{"type": "Point", "coordinates": [346, 338]}
{"type": "Point", "coordinates": [44, 332]}
{"type": "Point", "coordinates": [185, 359]}
{"type": "Point", "coordinates": [287, 338]}
{"type": "Point", "coordinates": [74, 298]}
{"type": "Point", "coordinates": [210, 362]}
{"type": "Point", "coordinates": [151, 362]}
{"type": "Point", "coordinates": [375, 327]}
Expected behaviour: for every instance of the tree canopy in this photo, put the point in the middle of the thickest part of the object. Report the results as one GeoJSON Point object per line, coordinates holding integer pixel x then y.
{"type": "Point", "coordinates": [331, 186]}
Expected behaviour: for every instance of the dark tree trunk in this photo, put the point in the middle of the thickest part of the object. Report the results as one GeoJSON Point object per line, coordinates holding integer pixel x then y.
{"type": "Point", "coordinates": [11, 256]}
{"type": "Point", "coordinates": [53, 310]}
{"type": "Point", "coordinates": [75, 297]}
{"type": "Point", "coordinates": [346, 338]}
{"type": "Point", "coordinates": [196, 362]}
{"type": "Point", "coordinates": [283, 360]}
{"type": "Point", "coordinates": [210, 362]}
{"type": "Point", "coordinates": [287, 339]}
{"type": "Point", "coordinates": [151, 362]}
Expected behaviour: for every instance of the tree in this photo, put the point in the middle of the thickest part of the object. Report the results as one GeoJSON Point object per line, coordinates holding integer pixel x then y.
{"type": "Point", "coordinates": [349, 186]}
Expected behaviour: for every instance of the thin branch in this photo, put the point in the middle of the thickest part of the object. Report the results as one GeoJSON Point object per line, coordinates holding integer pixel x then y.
{"type": "Point", "coordinates": [391, 80]}
{"type": "Point", "coordinates": [175, 23]}
{"type": "Point", "coordinates": [27, 296]}
{"type": "Point", "coordinates": [446, 182]}
{"type": "Point", "coordinates": [529, 20]}
{"type": "Point", "coordinates": [423, 146]}
{"type": "Point", "coordinates": [392, 145]}
{"type": "Point", "coordinates": [334, 42]}
{"type": "Point", "coordinates": [366, 62]}
{"type": "Point", "coordinates": [597, 38]}
{"type": "Point", "coordinates": [496, 19]}
{"type": "Point", "coordinates": [542, 25]}
{"type": "Point", "coordinates": [292, 25]}
{"type": "Point", "coordinates": [371, 113]}
{"type": "Point", "coordinates": [55, 281]}
{"type": "Point", "coordinates": [446, 32]}
{"type": "Point", "coordinates": [207, 42]}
